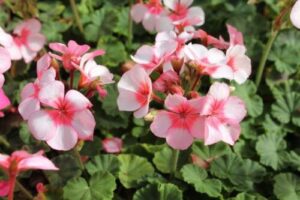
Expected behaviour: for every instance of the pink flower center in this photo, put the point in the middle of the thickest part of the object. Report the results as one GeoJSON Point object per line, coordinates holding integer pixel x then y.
{"type": "Point", "coordinates": [63, 114]}
{"type": "Point", "coordinates": [154, 7]}
{"type": "Point", "coordinates": [143, 94]}
{"type": "Point", "coordinates": [22, 38]}
{"type": "Point", "coordinates": [179, 13]}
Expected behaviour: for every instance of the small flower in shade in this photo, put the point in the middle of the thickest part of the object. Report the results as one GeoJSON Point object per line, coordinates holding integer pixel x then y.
{"type": "Point", "coordinates": [166, 81]}
{"type": "Point", "coordinates": [152, 15]}
{"type": "Point", "coordinates": [221, 114]}
{"type": "Point", "coordinates": [66, 119]}
{"type": "Point", "coordinates": [25, 42]}
{"type": "Point", "coordinates": [72, 53]}
{"type": "Point", "coordinates": [112, 145]}
{"type": "Point", "coordinates": [20, 161]}
{"type": "Point", "coordinates": [295, 14]}
{"type": "Point", "coordinates": [135, 89]}
{"type": "Point", "coordinates": [94, 76]}
{"type": "Point", "coordinates": [180, 123]}
{"type": "Point", "coordinates": [181, 14]}
{"type": "Point", "coordinates": [30, 93]}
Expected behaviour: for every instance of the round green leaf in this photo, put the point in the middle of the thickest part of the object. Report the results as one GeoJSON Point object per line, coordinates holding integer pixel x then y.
{"type": "Point", "coordinates": [287, 186]}
{"type": "Point", "coordinates": [133, 169]}
{"type": "Point", "coordinates": [108, 163]}
{"type": "Point", "coordinates": [77, 189]}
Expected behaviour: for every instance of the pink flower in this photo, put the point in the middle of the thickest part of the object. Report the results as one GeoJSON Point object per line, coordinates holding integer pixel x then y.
{"type": "Point", "coordinates": [112, 145]}
{"type": "Point", "coordinates": [30, 101]}
{"type": "Point", "coordinates": [152, 15]}
{"type": "Point", "coordinates": [295, 14]}
{"type": "Point", "coordinates": [166, 81]}
{"type": "Point", "coordinates": [235, 38]}
{"type": "Point", "coordinates": [25, 42]}
{"type": "Point", "coordinates": [135, 89]}
{"type": "Point", "coordinates": [180, 124]}
{"type": "Point", "coordinates": [221, 114]}
{"type": "Point", "coordinates": [148, 57]}
{"type": "Point", "coordinates": [71, 54]}
{"type": "Point", "coordinates": [239, 63]}
{"type": "Point", "coordinates": [20, 161]}
{"type": "Point", "coordinates": [209, 61]}
{"type": "Point", "coordinates": [66, 118]}
{"type": "Point", "coordinates": [181, 14]}
{"type": "Point", "coordinates": [94, 75]}
{"type": "Point", "coordinates": [5, 64]}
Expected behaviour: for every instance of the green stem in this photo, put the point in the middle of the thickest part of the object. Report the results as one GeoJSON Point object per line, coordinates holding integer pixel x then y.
{"type": "Point", "coordinates": [175, 156]}
{"type": "Point", "coordinates": [23, 190]}
{"type": "Point", "coordinates": [76, 15]}
{"type": "Point", "coordinates": [78, 157]}
{"type": "Point", "coordinates": [8, 4]}
{"type": "Point", "coordinates": [263, 60]}
{"type": "Point", "coordinates": [129, 42]}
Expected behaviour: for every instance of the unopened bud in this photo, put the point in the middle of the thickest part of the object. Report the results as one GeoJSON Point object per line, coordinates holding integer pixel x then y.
{"type": "Point", "coordinates": [150, 116]}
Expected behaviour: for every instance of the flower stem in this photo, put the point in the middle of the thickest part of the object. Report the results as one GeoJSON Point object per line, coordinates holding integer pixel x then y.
{"type": "Point", "coordinates": [71, 79]}
{"type": "Point", "coordinates": [23, 190]}
{"type": "Point", "coordinates": [175, 156]}
{"type": "Point", "coordinates": [78, 157]}
{"type": "Point", "coordinates": [12, 183]}
{"type": "Point", "coordinates": [263, 60]}
{"type": "Point", "coordinates": [76, 15]}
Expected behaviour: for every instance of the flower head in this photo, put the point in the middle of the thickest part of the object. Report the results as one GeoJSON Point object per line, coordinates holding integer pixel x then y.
{"type": "Point", "coordinates": [135, 89]}
{"type": "Point", "coordinates": [221, 114]}
{"type": "Point", "coordinates": [180, 123]}
{"type": "Point", "coordinates": [25, 42]}
{"type": "Point", "coordinates": [66, 120]}
{"type": "Point", "coordinates": [295, 14]}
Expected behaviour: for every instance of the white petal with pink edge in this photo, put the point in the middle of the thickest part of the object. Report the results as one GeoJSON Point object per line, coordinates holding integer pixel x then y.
{"type": "Point", "coordinates": [77, 100]}
{"type": "Point", "coordinates": [52, 93]}
{"type": "Point", "coordinates": [28, 106]}
{"type": "Point", "coordinates": [36, 162]}
{"type": "Point", "coordinates": [179, 138]}
{"type": "Point", "coordinates": [161, 124]}
{"type": "Point", "coordinates": [220, 91]}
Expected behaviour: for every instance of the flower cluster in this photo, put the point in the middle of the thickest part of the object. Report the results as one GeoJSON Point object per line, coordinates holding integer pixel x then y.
{"type": "Point", "coordinates": [169, 15]}
{"type": "Point", "coordinates": [179, 66]}
{"type": "Point", "coordinates": [57, 115]}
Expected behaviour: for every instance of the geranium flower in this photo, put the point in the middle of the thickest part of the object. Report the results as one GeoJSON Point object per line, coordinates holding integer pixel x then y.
{"type": "Point", "coordinates": [93, 75]}
{"type": "Point", "coordinates": [152, 15]}
{"type": "Point", "coordinates": [135, 89]}
{"type": "Point", "coordinates": [66, 118]}
{"type": "Point", "coordinates": [20, 161]}
{"type": "Point", "coordinates": [239, 63]}
{"type": "Point", "coordinates": [25, 42]}
{"type": "Point", "coordinates": [221, 114]}
{"type": "Point", "coordinates": [30, 101]}
{"type": "Point", "coordinates": [166, 81]}
{"type": "Point", "coordinates": [208, 61]}
{"type": "Point", "coordinates": [71, 54]}
{"type": "Point", "coordinates": [5, 64]}
{"type": "Point", "coordinates": [112, 145]}
{"type": "Point", "coordinates": [295, 14]}
{"type": "Point", "coordinates": [181, 14]}
{"type": "Point", "coordinates": [180, 124]}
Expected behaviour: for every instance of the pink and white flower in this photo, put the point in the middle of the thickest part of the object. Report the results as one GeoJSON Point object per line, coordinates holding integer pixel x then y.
{"type": "Point", "coordinates": [295, 15]}
{"type": "Point", "coordinates": [20, 161]}
{"type": "Point", "coordinates": [152, 15]}
{"type": "Point", "coordinates": [30, 101]}
{"type": "Point", "coordinates": [180, 124]}
{"type": "Point", "coordinates": [72, 53]}
{"type": "Point", "coordinates": [25, 42]}
{"type": "Point", "coordinates": [5, 64]}
{"type": "Point", "coordinates": [135, 90]}
{"type": "Point", "coordinates": [182, 15]}
{"type": "Point", "coordinates": [239, 63]}
{"type": "Point", "coordinates": [66, 119]}
{"type": "Point", "coordinates": [221, 114]}
{"type": "Point", "coordinates": [166, 81]}
{"type": "Point", "coordinates": [112, 145]}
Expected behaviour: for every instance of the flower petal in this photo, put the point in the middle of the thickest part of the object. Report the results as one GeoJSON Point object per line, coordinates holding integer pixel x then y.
{"type": "Point", "coordinates": [179, 138]}
{"type": "Point", "coordinates": [36, 162]}
{"type": "Point", "coordinates": [84, 124]}
{"type": "Point", "coordinates": [28, 106]}
{"type": "Point", "coordinates": [161, 124]}
{"type": "Point", "coordinates": [36, 41]}
{"type": "Point", "coordinates": [52, 93]}
{"type": "Point", "coordinates": [77, 100]}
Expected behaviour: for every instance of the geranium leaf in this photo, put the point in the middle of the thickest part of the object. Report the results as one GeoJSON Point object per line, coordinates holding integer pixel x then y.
{"type": "Point", "coordinates": [287, 186]}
